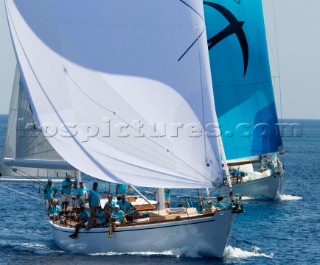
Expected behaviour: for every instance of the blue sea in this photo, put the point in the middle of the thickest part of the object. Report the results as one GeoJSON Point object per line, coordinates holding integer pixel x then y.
{"type": "Point", "coordinates": [269, 232]}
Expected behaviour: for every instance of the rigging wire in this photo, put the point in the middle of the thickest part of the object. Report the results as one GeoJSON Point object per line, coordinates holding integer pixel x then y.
{"type": "Point", "coordinates": [202, 101]}
{"type": "Point", "coordinates": [34, 179]}
{"type": "Point", "coordinates": [278, 59]}
{"type": "Point", "coordinates": [216, 189]}
{"type": "Point", "coordinates": [278, 65]}
{"type": "Point", "coordinates": [22, 193]}
{"type": "Point", "coordinates": [33, 134]}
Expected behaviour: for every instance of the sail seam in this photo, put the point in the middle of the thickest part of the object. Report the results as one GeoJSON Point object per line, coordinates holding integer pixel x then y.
{"type": "Point", "coordinates": [182, 1]}
{"type": "Point", "coordinates": [193, 43]}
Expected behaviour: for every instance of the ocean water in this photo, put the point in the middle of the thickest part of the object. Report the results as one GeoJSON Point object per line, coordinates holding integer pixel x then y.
{"type": "Point", "coordinates": [269, 232]}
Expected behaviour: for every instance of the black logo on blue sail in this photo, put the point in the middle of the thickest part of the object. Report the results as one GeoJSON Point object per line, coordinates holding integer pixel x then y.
{"type": "Point", "coordinates": [235, 27]}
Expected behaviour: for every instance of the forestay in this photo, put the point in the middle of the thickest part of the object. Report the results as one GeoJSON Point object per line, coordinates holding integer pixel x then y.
{"type": "Point", "coordinates": [101, 73]}
{"type": "Point", "coordinates": [241, 78]}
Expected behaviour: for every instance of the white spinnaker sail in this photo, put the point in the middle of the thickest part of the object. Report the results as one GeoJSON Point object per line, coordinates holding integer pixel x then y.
{"type": "Point", "coordinates": [25, 141]}
{"type": "Point", "coordinates": [91, 65]}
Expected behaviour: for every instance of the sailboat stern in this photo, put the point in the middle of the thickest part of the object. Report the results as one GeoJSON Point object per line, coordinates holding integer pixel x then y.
{"type": "Point", "coordinates": [270, 188]}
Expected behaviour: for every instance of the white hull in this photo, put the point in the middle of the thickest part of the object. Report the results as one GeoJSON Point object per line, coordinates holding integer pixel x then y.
{"type": "Point", "coordinates": [207, 234]}
{"type": "Point", "coordinates": [264, 188]}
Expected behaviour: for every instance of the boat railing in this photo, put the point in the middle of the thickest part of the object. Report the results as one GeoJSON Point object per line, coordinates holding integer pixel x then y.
{"type": "Point", "coordinates": [136, 217]}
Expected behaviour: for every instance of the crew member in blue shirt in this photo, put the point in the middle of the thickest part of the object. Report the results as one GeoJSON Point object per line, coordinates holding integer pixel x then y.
{"type": "Point", "coordinates": [167, 197]}
{"type": "Point", "coordinates": [270, 165]}
{"type": "Point", "coordinates": [109, 206]}
{"type": "Point", "coordinates": [49, 192]}
{"type": "Point", "coordinates": [110, 202]}
{"type": "Point", "coordinates": [101, 216]}
{"type": "Point", "coordinates": [66, 192]}
{"type": "Point", "coordinates": [94, 199]}
{"type": "Point", "coordinates": [124, 204]}
{"type": "Point", "coordinates": [82, 194]}
{"type": "Point", "coordinates": [54, 210]}
{"type": "Point", "coordinates": [82, 221]}
{"type": "Point", "coordinates": [122, 189]}
{"type": "Point", "coordinates": [232, 172]}
{"type": "Point", "coordinates": [118, 218]}
{"type": "Point", "coordinates": [236, 175]}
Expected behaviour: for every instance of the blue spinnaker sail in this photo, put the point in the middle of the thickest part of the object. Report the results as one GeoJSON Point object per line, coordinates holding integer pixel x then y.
{"type": "Point", "coordinates": [241, 78]}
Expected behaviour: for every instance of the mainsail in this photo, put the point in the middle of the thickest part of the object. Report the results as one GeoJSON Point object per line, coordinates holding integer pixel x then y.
{"type": "Point", "coordinates": [25, 146]}
{"type": "Point", "coordinates": [241, 78]}
{"type": "Point", "coordinates": [122, 89]}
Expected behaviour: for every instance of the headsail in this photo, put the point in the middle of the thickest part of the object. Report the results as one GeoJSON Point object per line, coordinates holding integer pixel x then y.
{"type": "Point", "coordinates": [241, 78]}
{"type": "Point", "coordinates": [109, 75]}
{"type": "Point", "coordinates": [25, 142]}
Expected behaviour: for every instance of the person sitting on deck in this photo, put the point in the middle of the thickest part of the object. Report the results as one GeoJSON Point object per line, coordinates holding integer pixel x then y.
{"type": "Point", "coordinates": [117, 218]}
{"type": "Point", "coordinates": [54, 210]}
{"type": "Point", "coordinates": [232, 172]}
{"type": "Point", "coordinates": [82, 221]}
{"type": "Point", "coordinates": [49, 193]}
{"type": "Point", "coordinates": [101, 217]}
{"type": "Point", "coordinates": [124, 204]}
{"type": "Point", "coordinates": [66, 192]}
{"type": "Point", "coordinates": [109, 206]}
{"type": "Point", "coordinates": [270, 165]}
{"type": "Point", "coordinates": [265, 164]}
{"type": "Point", "coordinates": [240, 175]}
{"type": "Point", "coordinates": [219, 204]}
{"type": "Point", "coordinates": [237, 175]}
{"type": "Point", "coordinates": [122, 189]}
{"type": "Point", "coordinates": [82, 194]}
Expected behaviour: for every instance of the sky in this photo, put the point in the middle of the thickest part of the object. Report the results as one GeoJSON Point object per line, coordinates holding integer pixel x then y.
{"type": "Point", "coordinates": [293, 34]}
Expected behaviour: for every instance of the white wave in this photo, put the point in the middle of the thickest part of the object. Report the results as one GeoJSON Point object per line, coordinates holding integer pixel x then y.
{"type": "Point", "coordinates": [247, 198]}
{"type": "Point", "coordinates": [32, 245]}
{"type": "Point", "coordinates": [284, 197]}
{"type": "Point", "coordinates": [188, 252]}
{"type": "Point", "coordinates": [147, 253]}
{"type": "Point", "coordinates": [230, 253]}
{"type": "Point", "coordinates": [35, 247]}
{"type": "Point", "coordinates": [237, 253]}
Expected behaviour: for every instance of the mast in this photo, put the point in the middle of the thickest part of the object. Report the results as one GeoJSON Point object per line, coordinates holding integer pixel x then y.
{"type": "Point", "coordinates": [78, 177]}
{"type": "Point", "coordinates": [160, 198]}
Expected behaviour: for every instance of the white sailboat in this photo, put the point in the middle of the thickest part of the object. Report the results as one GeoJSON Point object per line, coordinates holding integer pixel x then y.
{"type": "Point", "coordinates": [122, 91]}
{"type": "Point", "coordinates": [244, 97]}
